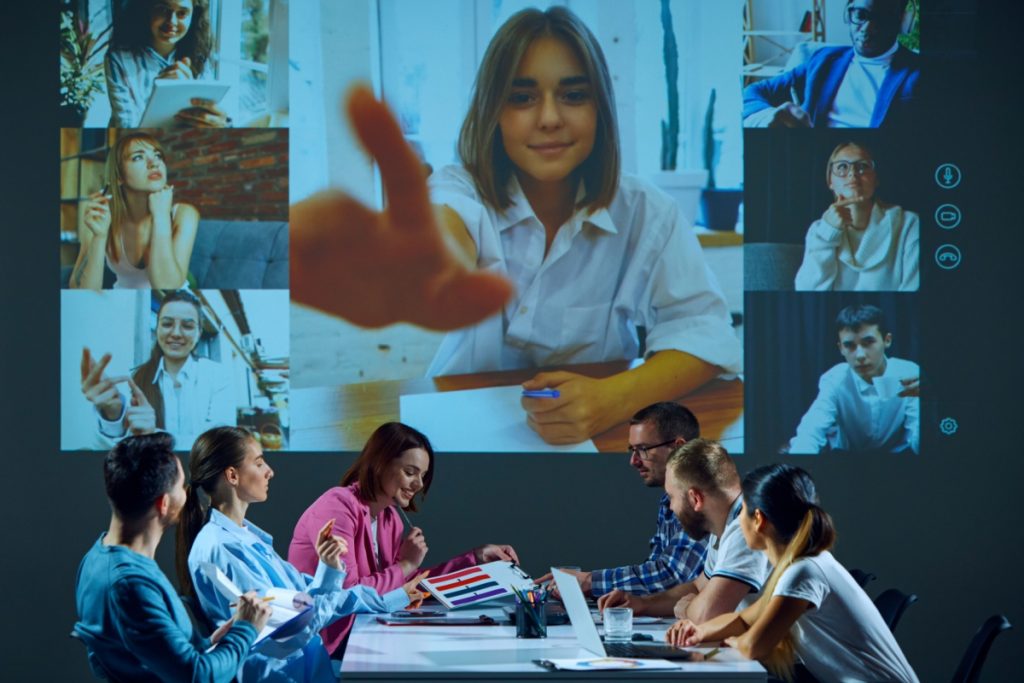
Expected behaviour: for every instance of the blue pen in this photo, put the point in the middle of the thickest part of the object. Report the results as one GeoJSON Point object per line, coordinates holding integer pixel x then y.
{"type": "Point", "coordinates": [541, 393]}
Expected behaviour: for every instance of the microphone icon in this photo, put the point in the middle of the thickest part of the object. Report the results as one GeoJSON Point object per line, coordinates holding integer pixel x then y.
{"type": "Point", "coordinates": [947, 176]}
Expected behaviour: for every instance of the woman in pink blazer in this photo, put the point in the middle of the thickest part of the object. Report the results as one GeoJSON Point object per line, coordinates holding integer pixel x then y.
{"type": "Point", "coordinates": [396, 464]}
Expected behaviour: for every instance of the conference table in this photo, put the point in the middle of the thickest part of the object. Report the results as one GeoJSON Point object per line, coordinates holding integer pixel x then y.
{"type": "Point", "coordinates": [341, 418]}
{"type": "Point", "coordinates": [378, 653]}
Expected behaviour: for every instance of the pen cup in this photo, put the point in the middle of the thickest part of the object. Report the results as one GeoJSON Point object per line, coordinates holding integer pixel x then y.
{"type": "Point", "coordinates": [531, 618]}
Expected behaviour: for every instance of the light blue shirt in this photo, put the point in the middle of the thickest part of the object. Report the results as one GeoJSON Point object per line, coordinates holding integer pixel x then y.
{"type": "Point", "coordinates": [136, 628]}
{"type": "Point", "coordinates": [246, 555]}
{"type": "Point", "coordinates": [130, 76]}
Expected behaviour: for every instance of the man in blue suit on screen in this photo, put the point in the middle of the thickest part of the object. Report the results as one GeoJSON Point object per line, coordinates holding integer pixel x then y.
{"type": "Point", "coordinates": [868, 85]}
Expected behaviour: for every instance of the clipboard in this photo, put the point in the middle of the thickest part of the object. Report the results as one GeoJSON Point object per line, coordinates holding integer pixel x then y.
{"type": "Point", "coordinates": [477, 584]}
{"type": "Point", "coordinates": [171, 95]}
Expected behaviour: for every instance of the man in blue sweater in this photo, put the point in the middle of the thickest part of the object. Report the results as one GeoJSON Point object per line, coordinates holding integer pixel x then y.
{"type": "Point", "coordinates": [868, 85]}
{"type": "Point", "coordinates": [131, 619]}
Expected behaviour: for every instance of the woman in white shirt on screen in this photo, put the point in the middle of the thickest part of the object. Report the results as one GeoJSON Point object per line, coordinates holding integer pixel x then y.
{"type": "Point", "coordinates": [810, 607]}
{"type": "Point", "coordinates": [155, 39]}
{"type": "Point", "coordinates": [539, 205]}
{"type": "Point", "coordinates": [174, 391]}
{"type": "Point", "coordinates": [859, 243]}
{"type": "Point", "coordinates": [134, 225]}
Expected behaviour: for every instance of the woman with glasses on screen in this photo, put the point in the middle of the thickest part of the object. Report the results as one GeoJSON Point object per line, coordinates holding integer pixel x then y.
{"type": "Point", "coordinates": [133, 224]}
{"type": "Point", "coordinates": [859, 244]}
{"type": "Point", "coordinates": [538, 204]}
{"type": "Point", "coordinates": [175, 390]}
{"type": "Point", "coordinates": [395, 466]}
{"type": "Point", "coordinates": [159, 39]}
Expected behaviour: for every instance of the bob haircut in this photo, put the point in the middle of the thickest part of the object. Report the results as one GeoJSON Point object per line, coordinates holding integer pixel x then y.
{"type": "Point", "coordinates": [385, 445]}
{"type": "Point", "coordinates": [114, 178]}
{"type": "Point", "coordinates": [480, 147]}
{"type": "Point", "coordinates": [131, 31]}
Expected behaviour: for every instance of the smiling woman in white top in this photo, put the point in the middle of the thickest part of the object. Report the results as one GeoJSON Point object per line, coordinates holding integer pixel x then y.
{"type": "Point", "coordinates": [134, 225]}
{"type": "Point", "coordinates": [159, 39]}
{"type": "Point", "coordinates": [538, 205]}
{"type": "Point", "coordinates": [174, 391]}
{"type": "Point", "coordinates": [859, 243]}
{"type": "Point", "coordinates": [810, 607]}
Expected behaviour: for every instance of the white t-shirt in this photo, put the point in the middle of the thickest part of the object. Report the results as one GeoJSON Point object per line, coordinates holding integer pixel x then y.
{"type": "Point", "coordinates": [855, 100]}
{"type": "Point", "coordinates": [729, 556]}
{"type": "Point", "coordinates": [634, 264]}
{"type": "Point", "coordinates": [843, 637]}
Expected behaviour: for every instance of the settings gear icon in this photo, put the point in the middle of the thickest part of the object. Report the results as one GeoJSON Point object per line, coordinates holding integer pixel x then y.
{"type": "Point", "coordinates": [948, 426]}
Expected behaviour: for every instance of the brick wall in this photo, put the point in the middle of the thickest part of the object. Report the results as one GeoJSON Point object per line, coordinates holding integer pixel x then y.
{"type": "Point", "coordinates": [230, 173]}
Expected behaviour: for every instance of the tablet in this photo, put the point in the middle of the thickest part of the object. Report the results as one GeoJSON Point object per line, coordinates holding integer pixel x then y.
{"type": "Point", "coordinates": [171, 95]}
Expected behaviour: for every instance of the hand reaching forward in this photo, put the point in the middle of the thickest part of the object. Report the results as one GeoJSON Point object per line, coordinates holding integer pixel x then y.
{"type": "Point", "coordinates": [378, 268]}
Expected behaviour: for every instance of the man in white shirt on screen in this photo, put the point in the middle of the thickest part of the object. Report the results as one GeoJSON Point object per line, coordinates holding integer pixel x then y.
{"type": "Point", "coordinates": [870, 401]}
{"type": "Point", "coordinates": [704, 493]}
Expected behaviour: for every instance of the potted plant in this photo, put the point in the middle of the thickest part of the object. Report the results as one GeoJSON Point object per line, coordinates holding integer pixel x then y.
{"type": "Point", "coordinates": [682, 185]}
{"type": "Point", "coordinates": [719, 208]}
{"type": "Point", "coordinates": [81, 72]}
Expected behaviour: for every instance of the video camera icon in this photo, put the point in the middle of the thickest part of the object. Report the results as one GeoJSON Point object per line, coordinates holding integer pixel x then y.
{"type": "Point", "coordinates": [948, 257]}
{"type": "Point", "coordinates": [948, 216]}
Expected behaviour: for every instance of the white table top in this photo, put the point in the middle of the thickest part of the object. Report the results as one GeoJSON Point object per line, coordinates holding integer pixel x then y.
{"type": "Point", "coordinates": [377, 652]}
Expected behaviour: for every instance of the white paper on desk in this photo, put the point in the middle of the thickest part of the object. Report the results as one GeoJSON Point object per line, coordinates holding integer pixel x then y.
{"type": "Point", "coordinates": [610, 663]}
{"type": "Point", "coordinates": [290, 610]}
{"type": "Point", "coordinates": [475, 420]}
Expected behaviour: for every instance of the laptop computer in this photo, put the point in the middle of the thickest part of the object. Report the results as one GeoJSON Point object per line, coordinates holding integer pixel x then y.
{"type": "Point", "coordinates": [586, 631]}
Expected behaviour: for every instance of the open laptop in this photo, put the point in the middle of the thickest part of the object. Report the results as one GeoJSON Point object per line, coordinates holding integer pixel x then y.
{"type": "Point", "coordinates": [586, 631]}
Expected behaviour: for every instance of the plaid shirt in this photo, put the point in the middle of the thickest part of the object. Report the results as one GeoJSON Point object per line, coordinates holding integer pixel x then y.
{"type": "Point", "coordinates": [675, 558]}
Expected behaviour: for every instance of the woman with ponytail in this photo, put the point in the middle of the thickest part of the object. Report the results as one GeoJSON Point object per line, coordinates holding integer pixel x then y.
{"type": "Point", "coordinates": [227, 469]}
{"type": "Point", "coordinates": [811, 607]}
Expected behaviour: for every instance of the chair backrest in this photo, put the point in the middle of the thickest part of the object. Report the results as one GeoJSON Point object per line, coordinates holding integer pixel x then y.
{"type": "Point", "coordinates": [862, 577]}
{"type": "Point", "coordinates": [240, 255]}
{"type": "Point", "coordinates": [892, 604]}
{"type": "Point", "coordinates": [973, 660]}
{"type": "Point", "coordinates": [95, 665]}
{"type": "Point", "coordinates": [200, 621]}
{"type": "Point", "coordinates": [771, 266]}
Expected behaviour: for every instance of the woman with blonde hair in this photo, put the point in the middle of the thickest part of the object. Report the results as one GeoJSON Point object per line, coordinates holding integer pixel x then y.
{"type": "Point", "coordinates": [810, 607]}
{"type": "Point", "coordinates": [859, 243]}
{"type": "Point", "coordinates": [133, 224]}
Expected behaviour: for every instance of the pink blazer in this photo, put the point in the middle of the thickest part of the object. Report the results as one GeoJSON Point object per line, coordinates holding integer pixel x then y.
{"type": "Point", "coordinates": [352, 522]}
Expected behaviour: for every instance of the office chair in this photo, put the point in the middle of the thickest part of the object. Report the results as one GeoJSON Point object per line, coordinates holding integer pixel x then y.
{"type": "Point", "coordinates": [974, 658]}
{"type": "Point", "coordinates": [892, 604]}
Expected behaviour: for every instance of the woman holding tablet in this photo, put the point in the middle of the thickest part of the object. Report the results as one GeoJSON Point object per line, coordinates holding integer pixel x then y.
{"type": "Point", "coordinates": [395, 465]}
{"type": "Point", "coordinates": [810, 607]}
{"type": "Point", "coordinates": [859, 243]}
{"type": "Point", "coordinates": [134, 225]}
{"type": "Point", "coordinates": [538, 202]}
{"type": "Point", "coordinates": [159, 39]}
{"type": "Point", "coordinates": [227, 466]}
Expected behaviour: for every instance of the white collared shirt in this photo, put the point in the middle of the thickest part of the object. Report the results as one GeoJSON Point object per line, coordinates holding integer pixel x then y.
{"type": "Point", "coordinates": [851, 414]}
{"type": "Point", "coordinates": [130, 76]}
{"type": "Point", "coordinates": [632, 264]}
{"type": "Point", "coordinates": [198, 399]}
{"type": "Point", "coordinates": [855, 100]}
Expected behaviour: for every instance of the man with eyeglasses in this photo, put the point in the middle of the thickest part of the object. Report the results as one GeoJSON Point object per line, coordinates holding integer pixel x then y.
{"type": "Point", "coordinates": [675, 557]}
{"type": "Point", "coordinates": [867, 85]}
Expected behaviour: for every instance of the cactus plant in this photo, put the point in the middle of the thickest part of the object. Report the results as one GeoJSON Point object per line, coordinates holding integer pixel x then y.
{"type": "Point", "coordinates": [670, 128]}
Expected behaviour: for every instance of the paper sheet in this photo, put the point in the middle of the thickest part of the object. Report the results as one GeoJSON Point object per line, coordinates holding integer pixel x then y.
{"type": "Point", "coordinates": [608, 664]}
{"type": "Point", "coordinates": [478, 420]}
{"type": "Point", "coordinates": [290, 610]}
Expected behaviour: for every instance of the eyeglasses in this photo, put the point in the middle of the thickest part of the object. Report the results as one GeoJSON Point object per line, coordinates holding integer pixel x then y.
{"type": "Point", "coordinates": [858, 16]}
{"type": "Point", "coordinates": [643, 452]}
{"type": "Point", "coordinates": [841, 169]}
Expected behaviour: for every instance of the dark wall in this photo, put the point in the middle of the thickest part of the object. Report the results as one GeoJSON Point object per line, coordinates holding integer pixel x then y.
{"type": "Point", "coordinates": [945, 525]}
